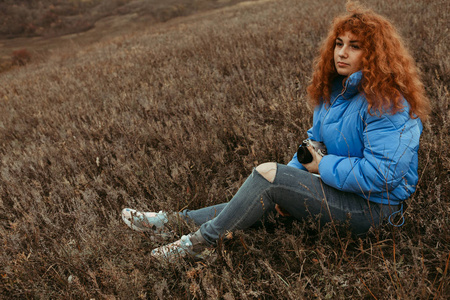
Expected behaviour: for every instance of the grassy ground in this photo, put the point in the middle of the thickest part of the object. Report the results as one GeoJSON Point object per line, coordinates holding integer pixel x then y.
{"type": "Point", "coordinates": [176, 116]}
{"type": "Point", "coordinates": [30, 31]}
{"type": "Point", "coordinates": [24, 18]}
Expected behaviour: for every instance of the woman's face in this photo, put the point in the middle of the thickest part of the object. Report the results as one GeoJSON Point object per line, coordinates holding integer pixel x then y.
{"type": "Point", "coordinates": [347, 54]}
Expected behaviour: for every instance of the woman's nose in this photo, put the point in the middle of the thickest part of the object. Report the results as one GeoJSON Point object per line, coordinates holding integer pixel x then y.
{"type": "Point", "coordinates": [343, 52]}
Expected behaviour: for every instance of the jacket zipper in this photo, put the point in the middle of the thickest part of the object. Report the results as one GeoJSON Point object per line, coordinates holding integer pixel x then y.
{"type": "Point", "coordinates": [331, 104]}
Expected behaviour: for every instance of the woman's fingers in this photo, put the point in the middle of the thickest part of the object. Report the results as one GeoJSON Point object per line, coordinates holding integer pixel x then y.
{"type": "Point", "coordinates": [281, 211]}
{"type": "Point", "coordinates": [313, 167]}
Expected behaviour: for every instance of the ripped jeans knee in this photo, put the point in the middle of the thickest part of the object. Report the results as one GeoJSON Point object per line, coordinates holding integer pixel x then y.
{"type": "Point", "coordinates": [268, 171]}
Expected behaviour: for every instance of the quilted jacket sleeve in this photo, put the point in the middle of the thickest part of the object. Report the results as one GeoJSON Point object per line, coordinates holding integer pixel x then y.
{"type": "Point", "coordinates": [390, 144]}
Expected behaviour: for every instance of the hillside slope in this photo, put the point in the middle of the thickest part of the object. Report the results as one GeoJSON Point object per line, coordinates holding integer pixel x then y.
{"type": "Point", "coordinates": [38, 29]}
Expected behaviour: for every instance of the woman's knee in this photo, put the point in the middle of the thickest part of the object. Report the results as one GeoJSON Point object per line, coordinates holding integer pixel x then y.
{"type": "Point", "coordinates": [268, 170]}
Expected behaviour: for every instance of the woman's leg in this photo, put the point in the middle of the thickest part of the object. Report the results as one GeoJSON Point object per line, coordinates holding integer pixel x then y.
{"type": "Point", "coordinates": [156, 221]}
{"type": "Point", "coordinates": [298, 192]}
{"type": "Point", "coordinates": [202, 215]}
{"type": "Point", "coordinates": [246, 208]}
{"type": "Point", "coordinates": [303, 195]}
{"type": "Point", "coordinates": [241, 212]}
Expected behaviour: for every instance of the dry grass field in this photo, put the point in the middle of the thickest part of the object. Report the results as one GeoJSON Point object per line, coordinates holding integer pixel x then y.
{"type": "Point", "coordinates": [176, 115]}
{"type": "Point", "coordinates": [25, 18]}
{"type": "Point", "coordinates": [33, 30]}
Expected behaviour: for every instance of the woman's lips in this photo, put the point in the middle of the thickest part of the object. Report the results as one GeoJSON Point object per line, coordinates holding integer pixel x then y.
{"type": "Point", "coordinates": [341, 64]}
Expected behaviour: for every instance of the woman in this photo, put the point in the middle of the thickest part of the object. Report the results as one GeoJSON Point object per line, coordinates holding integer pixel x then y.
{"type": "Point", "coordinates": [368, 104]}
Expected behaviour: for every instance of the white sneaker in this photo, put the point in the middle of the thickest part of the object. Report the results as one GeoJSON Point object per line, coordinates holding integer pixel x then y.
{"type": "Point", "coordinates": [193, 245]}
{"type": "Point", "coordinates": [145, 221]}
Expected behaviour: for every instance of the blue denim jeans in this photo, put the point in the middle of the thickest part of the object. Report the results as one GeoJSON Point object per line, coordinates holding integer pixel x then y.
{"type": "Point", "coordinates": [299, 193]}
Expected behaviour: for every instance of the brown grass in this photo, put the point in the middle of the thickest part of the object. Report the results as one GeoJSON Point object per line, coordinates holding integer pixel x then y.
{"type": "Point", "coordinates": [48, 26]}
{"type": "Point", "coordinates": [177, 115]}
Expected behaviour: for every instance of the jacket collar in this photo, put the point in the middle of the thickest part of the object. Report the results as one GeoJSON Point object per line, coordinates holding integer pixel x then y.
{"type": "Point", "coordinates": [350, 87]}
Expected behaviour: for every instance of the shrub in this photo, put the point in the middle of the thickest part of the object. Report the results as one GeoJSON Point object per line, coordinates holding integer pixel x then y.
{"type": "Point", "coordinates": [21, 57]}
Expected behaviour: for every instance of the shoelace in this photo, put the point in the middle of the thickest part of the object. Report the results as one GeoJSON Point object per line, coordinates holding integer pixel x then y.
{"type": "Point", "coordinates": [396, 212]}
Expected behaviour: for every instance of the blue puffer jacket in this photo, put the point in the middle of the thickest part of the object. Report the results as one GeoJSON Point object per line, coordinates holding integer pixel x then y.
{"type": "Point", "coordinates": [370, 155]}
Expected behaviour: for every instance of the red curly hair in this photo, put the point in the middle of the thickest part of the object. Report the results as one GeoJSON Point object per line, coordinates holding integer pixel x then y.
{"type": "Point", "coordinates": [388, 69]}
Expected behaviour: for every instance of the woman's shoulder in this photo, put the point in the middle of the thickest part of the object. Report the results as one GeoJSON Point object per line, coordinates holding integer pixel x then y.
{"type": "Point", "coordinates": [397, 119]}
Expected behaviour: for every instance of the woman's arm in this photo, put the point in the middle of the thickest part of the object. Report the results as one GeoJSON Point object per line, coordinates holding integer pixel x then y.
{"type": "Point", "coordinates": [390, 144]}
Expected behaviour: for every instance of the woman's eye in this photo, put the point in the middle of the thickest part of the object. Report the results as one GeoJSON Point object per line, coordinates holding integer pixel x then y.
{"type": "Point", "coordinates": [355, 47]}
{"type": "Point", "coordinates": [339, 44]}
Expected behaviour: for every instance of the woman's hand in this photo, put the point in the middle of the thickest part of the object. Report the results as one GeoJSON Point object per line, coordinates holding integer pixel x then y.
{"type": "Point", "coordinates": [313, 167]}
{"type": "Point", "coordinates": [281, 211]}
